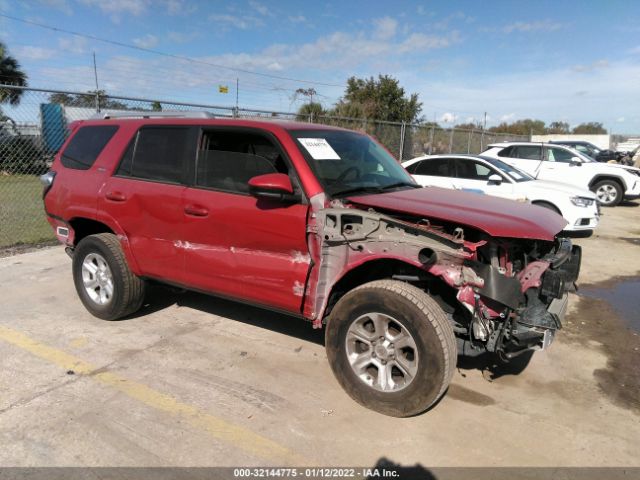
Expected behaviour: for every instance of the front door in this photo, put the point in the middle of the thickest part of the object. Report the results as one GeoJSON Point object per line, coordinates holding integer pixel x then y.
{"type": "Point", "coordinates": [235, 244]}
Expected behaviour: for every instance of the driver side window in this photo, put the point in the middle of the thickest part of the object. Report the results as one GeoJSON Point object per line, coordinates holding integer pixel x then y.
{"type": "Point", "coordinates": [472, 170]}
{"type": "Point", "coordinates": [227, 160]}
{"type": "Point", "coordinates": [559, 155]}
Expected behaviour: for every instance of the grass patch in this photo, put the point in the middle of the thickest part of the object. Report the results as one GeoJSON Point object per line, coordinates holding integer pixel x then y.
{"type": "Point", "coordinates": [22, 217]}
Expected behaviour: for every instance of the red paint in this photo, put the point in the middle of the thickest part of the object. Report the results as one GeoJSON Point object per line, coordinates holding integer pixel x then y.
{"type": "Point", "coordinates": [492, 215]}
{"type": "Point", "coordinates": [253, 249]}
{"type": "Point", "coordinates": [277, 182]}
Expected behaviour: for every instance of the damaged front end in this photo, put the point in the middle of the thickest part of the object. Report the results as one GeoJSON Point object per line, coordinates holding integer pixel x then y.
{"type": "Point", "coordinates": [505, 295]}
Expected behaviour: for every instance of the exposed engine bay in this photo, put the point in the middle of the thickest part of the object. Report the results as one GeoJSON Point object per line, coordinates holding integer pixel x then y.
{"type": "Point", "coordinates": [505, 295]}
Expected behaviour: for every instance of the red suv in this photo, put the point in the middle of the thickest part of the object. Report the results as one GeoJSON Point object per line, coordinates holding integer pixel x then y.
{"type": "Point", "coordinates": [316, 222]}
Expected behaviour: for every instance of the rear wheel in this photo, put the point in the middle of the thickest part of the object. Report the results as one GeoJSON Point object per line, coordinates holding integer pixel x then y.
{"type": "Point", "coordinates": [391, 347]}
{"type": "Point", "coordinates": [608, 192]}
{"type": "Point", "coordinates": [105, 285]}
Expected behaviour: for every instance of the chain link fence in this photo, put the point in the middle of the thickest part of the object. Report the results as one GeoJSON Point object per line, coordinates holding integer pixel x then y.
{"type": "Point", "coordinates": [32, 132]}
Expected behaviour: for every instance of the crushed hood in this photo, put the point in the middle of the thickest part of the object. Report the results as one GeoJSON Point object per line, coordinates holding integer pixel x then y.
{"type": "Point", "coordinates": [496, 216]}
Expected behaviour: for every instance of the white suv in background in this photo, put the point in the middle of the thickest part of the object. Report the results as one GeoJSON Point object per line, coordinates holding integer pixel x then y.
{"type": "Point", "coordinates": [611, 183]}
{"type": "Point", "coordinates": [494, 177]}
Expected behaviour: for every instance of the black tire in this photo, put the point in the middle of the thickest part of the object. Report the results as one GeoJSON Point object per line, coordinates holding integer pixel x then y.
{"type": "Point", "coordinates": [608, 184]}
{"type": "Point", "coordinates": [548, 206]}
{"type": "Point", "coordinates": [128, 289]}
{"type": "Point", "coordinates": [425, 321]}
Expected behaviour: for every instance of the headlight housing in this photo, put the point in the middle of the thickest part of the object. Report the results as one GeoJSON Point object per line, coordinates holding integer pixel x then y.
{"type": "Point", "coordinates": [582, 201]}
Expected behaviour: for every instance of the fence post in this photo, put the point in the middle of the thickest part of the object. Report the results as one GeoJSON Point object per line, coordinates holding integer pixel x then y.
{"type": "Point", "coordinates": [469, 142]}
{"type": "Point", "coordinates": [482, 141]}
{"type": "Point", "coordinates": [431, 135]}
{"type": "Point", "coordinates": [311, 117]}
{"type": "Point", "coordinates": [97, 101]}
{"type": "Point", "coordinates": [451, 141]}
{"type": "Point", "coordinates": [402, 133]}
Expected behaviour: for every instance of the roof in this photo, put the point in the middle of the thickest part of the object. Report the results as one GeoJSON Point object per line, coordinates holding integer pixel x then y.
{"type": "Point", "coordinates": [238, 122]}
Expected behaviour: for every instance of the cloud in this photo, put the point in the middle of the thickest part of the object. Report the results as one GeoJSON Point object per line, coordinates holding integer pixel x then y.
{"type": "Point", "coordinates": [179, 37]}
{"type": "Point", "coordinates": [147, 41]}
{"type": "Point", "coordinates": [73, 44]}
{"type": "Point", "coordinates": [62, 5]}
{"type": "Point", "coordinates": [448, 117]}
{"type": "Point", "coordinates": [29, 52]}
{"type": "Point", "coordinates": [592, 66]}
{"type": "Point", "coordinates": [297, 19]}
{"type": "Point", "coordinates": [421, 42]}
{"type": "Point", "coordinates": [180, 7]}
{"type": "Point", "coordinates": [235, 21]}
{"type": "Point", "coordinates": [507, 117]}
{"type": "Point", "coordinates": [620, 119]}
{"type": "Point", "coordinates": [385, 28]}
{"type": "Point", "coordinates": [536, 26]}
{"type": "Point", "coordinates": [116, 7]}
{"type": "Point", "coordinates": [261, 9]}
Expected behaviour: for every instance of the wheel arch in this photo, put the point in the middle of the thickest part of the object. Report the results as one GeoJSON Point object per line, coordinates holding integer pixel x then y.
{"type": "Point", "coordinates": [600, 178]}
{"type": "Point", "coordinates": [380, 269]}
{"type": "Point", "coordinates": [541, 203]}
{"type": "Point", "coordinates": [83, 227]}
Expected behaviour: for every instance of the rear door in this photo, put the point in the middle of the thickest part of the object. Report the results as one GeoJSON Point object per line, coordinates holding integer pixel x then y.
{"type": "Point", "coordinates": [235, 244]}
{"type": "Point", "coordinates": [525, 157]}
{"type": "Point", "coordinates": [433, 172]}
{"type": "Point", "coordinates": [145, 197]}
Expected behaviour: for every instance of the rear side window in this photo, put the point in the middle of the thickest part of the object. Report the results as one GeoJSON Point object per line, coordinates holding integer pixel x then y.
{"type": "Point", "coordinates": [559, 155]}
{"type": "Point", "coordinates": [86, 145]}
{"type": "Point", "coordinates": [159, 153]}
{"type": "Point", "coordinates": [528, 152]}
{"type": "Point", "coordinates": [471, 170]}
{"type": "Point", "coordinates": [436, 167]}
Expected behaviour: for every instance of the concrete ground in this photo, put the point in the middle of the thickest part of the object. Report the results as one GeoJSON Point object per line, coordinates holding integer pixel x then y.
{"type": "Point", "coordinates": [198, 381]}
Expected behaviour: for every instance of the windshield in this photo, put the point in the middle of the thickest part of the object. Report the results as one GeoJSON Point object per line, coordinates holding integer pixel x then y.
{"type": "Point", "coordinates": [508, 170]}
{"type": "Point", "coordinates": [347, 162]}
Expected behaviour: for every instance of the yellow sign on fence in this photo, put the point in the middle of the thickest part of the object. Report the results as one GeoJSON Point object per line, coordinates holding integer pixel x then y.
{"type": "Point", "coordinates": [223, 89]}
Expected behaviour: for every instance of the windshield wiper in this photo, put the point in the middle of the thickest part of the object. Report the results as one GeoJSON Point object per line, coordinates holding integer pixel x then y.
{"type": "Point", "coordinates": [400, 184]}
{"type": "Point", "coordinates": [375, 189]}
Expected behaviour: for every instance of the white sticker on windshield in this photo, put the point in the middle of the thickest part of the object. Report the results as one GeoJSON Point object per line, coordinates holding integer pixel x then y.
{"type": "Point", "coordinates": [516, 175]}
{"type": "Point", "coordinates": [319, 148]}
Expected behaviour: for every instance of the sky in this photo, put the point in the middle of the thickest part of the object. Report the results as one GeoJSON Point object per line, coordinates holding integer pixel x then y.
{"type": "Point", "coordinates": [572, 60]}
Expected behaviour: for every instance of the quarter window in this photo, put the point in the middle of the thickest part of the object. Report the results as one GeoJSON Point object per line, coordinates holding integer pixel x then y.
{"type": "Point", "coordinates": [158, 153]}
{"type": "Point", "coordinates": [86, 145]}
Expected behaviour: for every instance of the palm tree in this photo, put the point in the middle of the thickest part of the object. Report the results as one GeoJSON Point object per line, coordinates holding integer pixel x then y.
{"type": "Point", "coordinates": [10, 73]}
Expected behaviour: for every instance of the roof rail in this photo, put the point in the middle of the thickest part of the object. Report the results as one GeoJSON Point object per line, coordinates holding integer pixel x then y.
{"type": "Point", "coordinates": [166, 114]}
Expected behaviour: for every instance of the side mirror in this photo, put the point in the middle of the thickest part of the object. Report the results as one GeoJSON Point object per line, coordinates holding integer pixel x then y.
{"type": "Point", "coordinates": [495, 179]}
{"type": "Point", "coordinates": [576, 162]}
{"type": "Point", "coordinates": [271, 185]}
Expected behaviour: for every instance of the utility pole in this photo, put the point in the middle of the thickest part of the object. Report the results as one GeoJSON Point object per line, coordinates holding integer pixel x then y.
{"type": "Point", "coordinates": [237, 88]}
{"type": "Point", "coordinates": [95, 75]}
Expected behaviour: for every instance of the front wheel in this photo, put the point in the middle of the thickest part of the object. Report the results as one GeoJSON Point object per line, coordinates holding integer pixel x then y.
{"type": "Point", "coordinates": [391, 347]}
{"type": "Point", "coordinates": [106, 286]}
{"type": "Point", "coordinates": [608, 192]}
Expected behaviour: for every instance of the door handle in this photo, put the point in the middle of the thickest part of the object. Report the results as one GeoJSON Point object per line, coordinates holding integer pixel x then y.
{"type": "Point", "coordinates": [196, 211]}
{"type": "Point", "coordinates": [115, 196]}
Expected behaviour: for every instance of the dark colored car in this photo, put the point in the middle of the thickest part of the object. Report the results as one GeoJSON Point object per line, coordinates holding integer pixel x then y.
{"type": "Point", "coordinates": [589, 149]}
{"type": "Point", "coordinates": [316, 222]}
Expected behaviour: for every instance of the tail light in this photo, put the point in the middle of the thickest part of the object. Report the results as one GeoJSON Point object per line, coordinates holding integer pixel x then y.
{"type": "Point", "coordinates": [47, 181]}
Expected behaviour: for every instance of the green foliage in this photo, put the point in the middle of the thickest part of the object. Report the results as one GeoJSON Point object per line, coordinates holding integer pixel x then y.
{"type": "Point", "coordinates": [590, 128]}
{"type": "Point", "coordinates": [87, 100]}
{"type": "Point", "coordinates": [381, 99]}
{"type": "Point", "coordinates": [156, 106]}
{"type": "Point", "coordinates": [21, 155]}
{"type": "Point", "coordinates": [558, 127]}
{"type": "Point", "coordinates": [527, 126]}
{"type": "Point", "coordinates": [308, 109]}
{"type": "Point", "coordinates": [10, 73]}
